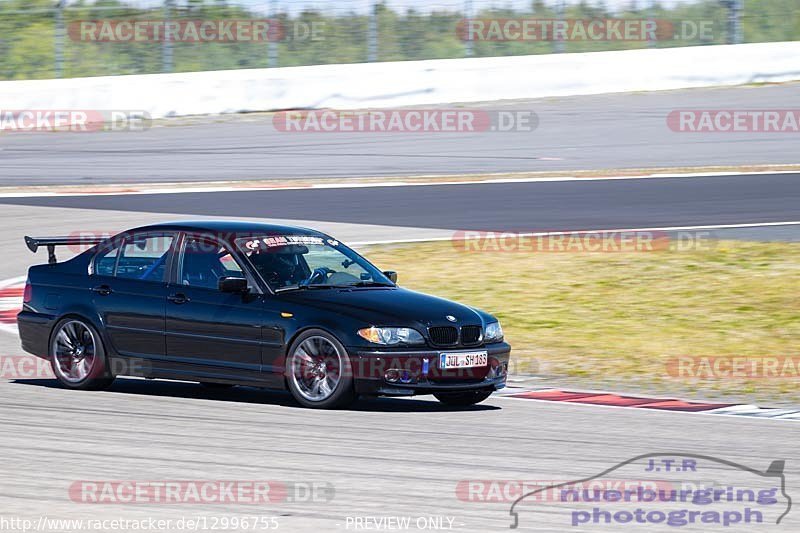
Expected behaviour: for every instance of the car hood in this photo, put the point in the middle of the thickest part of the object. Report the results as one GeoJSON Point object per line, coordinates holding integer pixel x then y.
{"type": "Point", "coordinates": [389, 306]}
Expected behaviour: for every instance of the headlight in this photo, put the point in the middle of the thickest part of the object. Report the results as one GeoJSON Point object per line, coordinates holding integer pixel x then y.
{"type": "Point", "coordinates": [493, 332]}
{"type": "Point", "coordinates": [391, 336]}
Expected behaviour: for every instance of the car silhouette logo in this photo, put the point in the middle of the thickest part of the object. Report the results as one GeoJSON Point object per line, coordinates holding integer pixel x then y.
{"type": "Point", "coordinates": [664, 463]}
{"type": "Point", "coordinates": [451, 318]}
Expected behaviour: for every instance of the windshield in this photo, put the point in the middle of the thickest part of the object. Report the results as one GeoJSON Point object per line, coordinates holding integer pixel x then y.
{"type": "Point", "coordinates": [288, 262]}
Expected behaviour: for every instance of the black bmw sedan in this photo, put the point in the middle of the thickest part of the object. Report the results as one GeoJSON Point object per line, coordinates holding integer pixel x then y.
{"type": "Point", "coordinates": [240, 303]}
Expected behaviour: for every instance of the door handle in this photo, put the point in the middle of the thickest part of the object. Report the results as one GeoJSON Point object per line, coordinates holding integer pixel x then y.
{"type": "Point", "coordinates": [179, 298]}
{"type": "Point", "coordinates": [102, 290]}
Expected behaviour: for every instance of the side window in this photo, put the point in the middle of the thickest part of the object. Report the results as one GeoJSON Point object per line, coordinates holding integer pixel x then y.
{"type": "Point", "coordinates": [324, 257]}
{"type": "Point", "coordinates": [231, 265]}
{"type": "Point", "coordinates": [144, 257]}
{"type": "Point", "coordinates": [105, 262]}
{"type": "Point", "coordinates": [203, 262]}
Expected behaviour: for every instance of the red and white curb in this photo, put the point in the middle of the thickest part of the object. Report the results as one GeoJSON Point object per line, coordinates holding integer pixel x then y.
{"type": "Point", "coordinates": [607, 399]}
{"type": "Point", "coordinates": [10, 303]}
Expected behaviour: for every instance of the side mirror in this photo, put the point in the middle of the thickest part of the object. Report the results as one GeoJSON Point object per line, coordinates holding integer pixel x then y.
{"type": "Point", "coordinates": [235, 285]}
{"type": "Point", "coordinates": [391, 274]}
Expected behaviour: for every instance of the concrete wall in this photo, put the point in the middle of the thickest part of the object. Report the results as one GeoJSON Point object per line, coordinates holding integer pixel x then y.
{"type": "Point", "coordinates": [413, 82]}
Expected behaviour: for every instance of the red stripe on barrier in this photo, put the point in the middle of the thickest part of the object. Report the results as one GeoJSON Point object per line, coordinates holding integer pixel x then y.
{"type": "Point", "coordinates": [679, 405]}
{"type": "Point", "coordinates": [9, 316]}
{"type": "Point", "coordinates": [616, 400]}
{"type": "Point", "coordinates": [552, 395]}
{"type": "Point", "coordinates": [12, 292]}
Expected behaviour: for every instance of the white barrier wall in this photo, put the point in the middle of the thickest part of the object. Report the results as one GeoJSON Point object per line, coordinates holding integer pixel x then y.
{"type": "Point", "coordinates": [412, 82]}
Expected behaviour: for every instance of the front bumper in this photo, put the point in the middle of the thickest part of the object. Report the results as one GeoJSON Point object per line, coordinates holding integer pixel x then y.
{"type": "Point", "coordinates": [416, 376]}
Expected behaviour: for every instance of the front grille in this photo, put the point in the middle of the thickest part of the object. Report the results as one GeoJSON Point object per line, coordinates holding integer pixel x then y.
{"type": "Point", "coordinates": [470, 335]}
{"type": "Point", "coordinates": [443, 335]}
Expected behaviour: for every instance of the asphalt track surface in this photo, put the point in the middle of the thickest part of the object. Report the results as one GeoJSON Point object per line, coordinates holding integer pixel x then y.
{"type": "Point", "coordinates": [574, 133]}
{"type": "Point", "coordinates": [383, 458]}
{"type": "Point", "coordinates": [536, 206]}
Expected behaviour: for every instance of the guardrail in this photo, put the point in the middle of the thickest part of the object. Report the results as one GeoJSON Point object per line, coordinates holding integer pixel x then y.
{"type": "Point", "coordinates": [405, 83]}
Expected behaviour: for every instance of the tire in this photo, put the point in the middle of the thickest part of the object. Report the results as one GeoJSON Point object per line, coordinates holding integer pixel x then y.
{"type": "Point", "coordinates": [78, 357]}
{"type": "Point", "coordinates": [318, 371]}
{"type": "Point", "coordinates": [463, 399]}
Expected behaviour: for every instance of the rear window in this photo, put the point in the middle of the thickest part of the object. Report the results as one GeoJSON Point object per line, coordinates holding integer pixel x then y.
{"type": "Point", "coordinates": [142, 257]}
{"type": "Point", "coordinates": [106, 262]}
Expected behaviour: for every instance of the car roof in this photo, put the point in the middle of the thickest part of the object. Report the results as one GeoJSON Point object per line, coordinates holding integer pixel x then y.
{"type": "Point", "coordinates": [229, 227]}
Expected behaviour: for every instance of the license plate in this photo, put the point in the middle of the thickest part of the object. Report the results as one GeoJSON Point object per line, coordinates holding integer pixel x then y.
{"type": "Point", "coordinates": [463, 360]}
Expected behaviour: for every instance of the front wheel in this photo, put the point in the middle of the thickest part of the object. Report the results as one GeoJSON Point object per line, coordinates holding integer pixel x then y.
{"type": "Point", "coordinates": [463, 399]}
{"type": "Point", "coordinates": [78, 357]}
{"type": "Point", "coordinates": [318, 371]}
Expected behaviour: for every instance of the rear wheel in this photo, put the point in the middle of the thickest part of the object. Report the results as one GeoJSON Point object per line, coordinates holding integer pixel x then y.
{"type": "Point", "coordinates": [463, 399]}
{"type": "Point", "coordinates": [318, 371]}
{"type": "Point", "coordinates": [78, 357]}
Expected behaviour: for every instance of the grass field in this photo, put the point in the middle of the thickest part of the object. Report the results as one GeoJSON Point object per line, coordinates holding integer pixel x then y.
{"type": "Point", "coordinates": [611, 319]}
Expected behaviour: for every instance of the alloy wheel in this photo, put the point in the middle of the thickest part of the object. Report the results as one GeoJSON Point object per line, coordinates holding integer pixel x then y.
{"type": "Point", "coordinates": [74, 350]}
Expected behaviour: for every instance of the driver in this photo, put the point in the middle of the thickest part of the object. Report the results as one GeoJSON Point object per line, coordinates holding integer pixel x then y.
{"type": "Point", "coordinates": [281, 266]}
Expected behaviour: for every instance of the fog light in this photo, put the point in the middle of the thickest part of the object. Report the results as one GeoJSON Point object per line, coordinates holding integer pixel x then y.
{"type": "Point", "coordinates": [392, 375]}
{"type": "Point", "coordinates": [502, 369]}
{"type": "Point", "coordinates": [498, 369]}
{"type": "Point", "coordinates": [405, 377]}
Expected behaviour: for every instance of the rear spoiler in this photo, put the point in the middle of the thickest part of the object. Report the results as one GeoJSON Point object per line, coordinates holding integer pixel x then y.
{"type": "Point", "coordinates": [33, 244]}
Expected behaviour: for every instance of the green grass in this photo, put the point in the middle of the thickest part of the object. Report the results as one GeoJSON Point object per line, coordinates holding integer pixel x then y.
{"type": "Point", "coordinates": [599, 319]}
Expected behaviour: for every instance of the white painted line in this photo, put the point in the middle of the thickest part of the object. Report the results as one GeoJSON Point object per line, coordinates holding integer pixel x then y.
{"type": "Point", "coordinates": [12, 281]}
{"type": "Point", "coordinates": [750, 416]}
{"type": "Point", "coordinates": [735, 409]}
{"type": "Point", "coordinates": [176, 188]}
{"type": "Point", "coordinates": [756, 411]}
{"type": "Point", "coordinates": [738, 411]}
{"type": "Point", "coordinates": [465, 234]}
